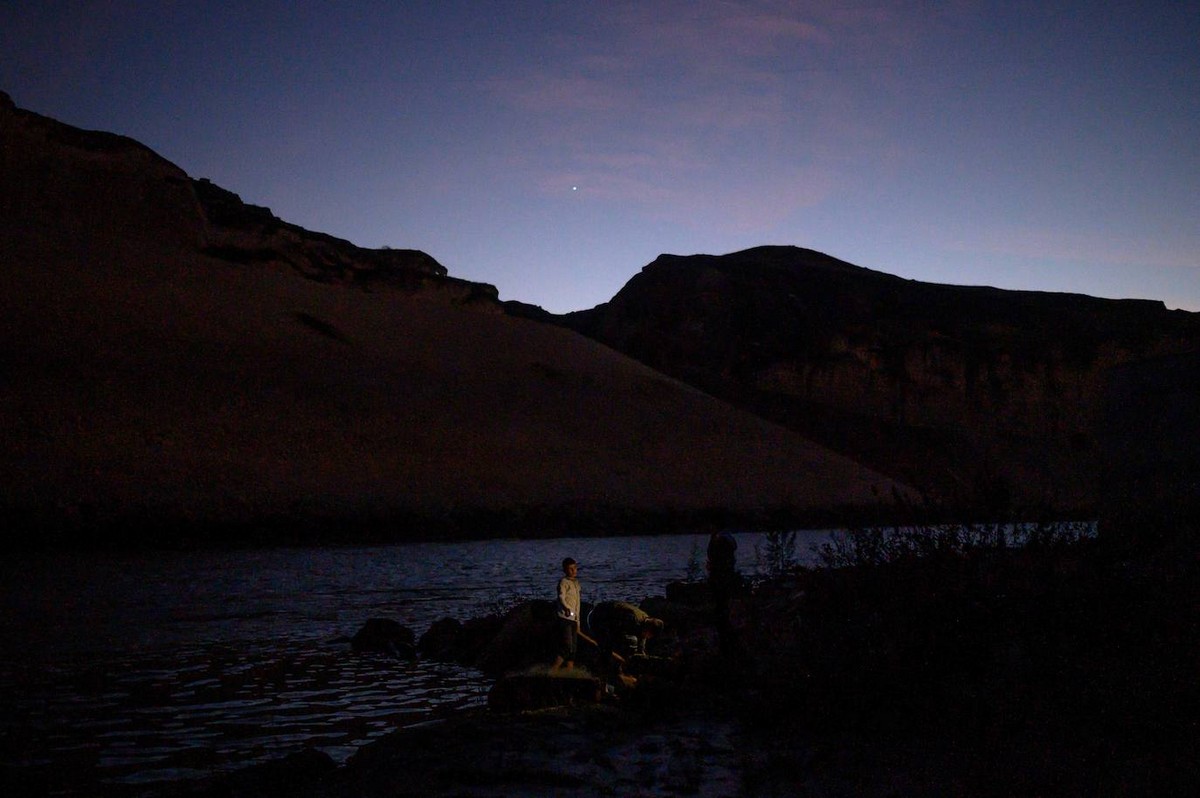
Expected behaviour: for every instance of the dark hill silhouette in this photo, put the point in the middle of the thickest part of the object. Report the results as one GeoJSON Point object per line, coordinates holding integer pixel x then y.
{"type": "Point", "coordinates": [181, 367]}
{"type": "Point", "coordinates": [984, 398]}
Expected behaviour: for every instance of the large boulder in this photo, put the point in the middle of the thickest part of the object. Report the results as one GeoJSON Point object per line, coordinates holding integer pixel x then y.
{"type": "Point", "coordinates": [441, 640]}
{"type": "Point", "coordinates": [527, 636]}
{"type": "Point", "coordinates": [451, 640]}
{"type": "Point", "coordinates": [385, 636]}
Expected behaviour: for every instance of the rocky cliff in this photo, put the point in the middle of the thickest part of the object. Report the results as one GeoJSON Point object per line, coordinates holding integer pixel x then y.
{"type": "Point", "coordinates": [983, 398]}
{"type": "Point", "coordinates": [179, 366]}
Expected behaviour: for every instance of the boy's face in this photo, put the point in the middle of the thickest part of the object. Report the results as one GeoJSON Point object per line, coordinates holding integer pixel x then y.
{"type": "Point", "coordinates": [572, 570]}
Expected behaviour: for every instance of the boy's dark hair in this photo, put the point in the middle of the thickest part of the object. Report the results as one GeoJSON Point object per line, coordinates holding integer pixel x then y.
{"type": "Point", "coordinates": [569, 561]}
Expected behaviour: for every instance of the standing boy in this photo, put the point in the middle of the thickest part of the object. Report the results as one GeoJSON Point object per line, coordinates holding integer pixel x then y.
{"type": "Point", "coordinates": [568, 616]}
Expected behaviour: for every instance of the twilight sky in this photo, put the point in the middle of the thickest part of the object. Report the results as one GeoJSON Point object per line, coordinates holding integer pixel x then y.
{"type": "Point", "coordinates": [554, 148]}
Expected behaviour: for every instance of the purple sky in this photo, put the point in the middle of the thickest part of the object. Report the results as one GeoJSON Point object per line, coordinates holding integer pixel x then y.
{"type": "Point", "coordinates": [554, 148]}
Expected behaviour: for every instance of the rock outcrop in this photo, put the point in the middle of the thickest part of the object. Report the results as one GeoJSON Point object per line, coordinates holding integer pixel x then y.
{"type": "Point", "coordinates": [252, 235]}
{"type": "Point", "coordinates": [981, 397]}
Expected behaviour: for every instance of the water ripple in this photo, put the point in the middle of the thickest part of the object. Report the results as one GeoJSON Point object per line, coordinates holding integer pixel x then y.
{"type": "Point", "coordinates": [152, 667]}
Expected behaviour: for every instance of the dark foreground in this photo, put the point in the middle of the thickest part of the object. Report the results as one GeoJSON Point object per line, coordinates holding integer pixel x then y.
{"type": "Point", "coordinates": [921, 666]}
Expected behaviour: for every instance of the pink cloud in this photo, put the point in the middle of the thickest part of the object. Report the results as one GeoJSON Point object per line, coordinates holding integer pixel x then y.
{"type": "Point", "coordinates": [556, 93]}
{"type": "Point", "coordinates": [644, 109]}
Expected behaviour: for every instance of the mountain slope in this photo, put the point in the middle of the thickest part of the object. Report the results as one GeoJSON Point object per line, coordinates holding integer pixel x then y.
{"type": "Point", "coordinates": [984, 398]}
{"type": "Point", "coordinates": [179, 365]}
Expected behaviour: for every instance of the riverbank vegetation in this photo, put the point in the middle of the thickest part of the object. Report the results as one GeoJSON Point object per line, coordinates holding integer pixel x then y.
{"type": "Point", "coordinates": [986, 660]}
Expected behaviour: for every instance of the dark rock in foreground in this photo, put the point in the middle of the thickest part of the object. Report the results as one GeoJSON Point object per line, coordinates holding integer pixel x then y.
{"type": "Point", "coordinates": [599, 751]}
{"type": "Point", "coordinates": [537, 688]}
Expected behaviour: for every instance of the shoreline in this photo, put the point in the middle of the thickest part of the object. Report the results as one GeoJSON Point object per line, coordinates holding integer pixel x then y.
{"type": "Point", "coordinates": [1060, 667]}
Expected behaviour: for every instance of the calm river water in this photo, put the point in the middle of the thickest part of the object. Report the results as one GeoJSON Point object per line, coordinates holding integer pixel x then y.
{"type": "Point", "coordinates": [140, 668]}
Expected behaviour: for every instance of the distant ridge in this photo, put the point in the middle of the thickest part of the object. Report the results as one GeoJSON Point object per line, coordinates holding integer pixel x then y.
{"type": "Point", "coordinates": [984, 398]}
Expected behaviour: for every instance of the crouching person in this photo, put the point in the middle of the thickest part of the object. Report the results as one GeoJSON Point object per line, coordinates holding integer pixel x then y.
{"type": "Point", "coordinates": [622, 628]}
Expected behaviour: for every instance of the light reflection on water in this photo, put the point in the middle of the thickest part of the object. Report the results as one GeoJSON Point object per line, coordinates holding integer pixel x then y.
{"type": "Point", "coordinates": [148, 667]}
